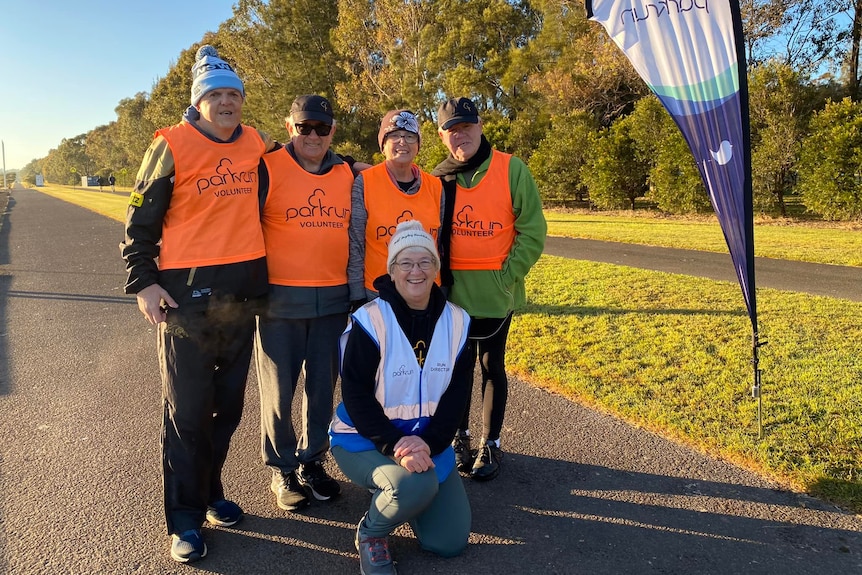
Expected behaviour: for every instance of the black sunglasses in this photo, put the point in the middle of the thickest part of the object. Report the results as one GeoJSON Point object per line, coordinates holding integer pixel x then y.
{"type": "Point", "coordinates": [305, 129]}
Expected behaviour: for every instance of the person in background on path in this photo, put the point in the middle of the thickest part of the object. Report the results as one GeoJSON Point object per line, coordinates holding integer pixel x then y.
{"type": "Point", "coordinates": [305, 199]}
{"type": "Point", "coordinates": [194, 252]}
{"type": "Point", "coordinates": [497, 234]}
{"type": "Point", "coordinates": [405, 379]}
{"type": "Point", "coordinates": [112, 180]}
{"type": "Point", "coordinates": [386, 194]}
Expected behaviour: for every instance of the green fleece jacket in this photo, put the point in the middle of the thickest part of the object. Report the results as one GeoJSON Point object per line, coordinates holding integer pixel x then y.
{"type": "Point", "coordinates": [495, 293]}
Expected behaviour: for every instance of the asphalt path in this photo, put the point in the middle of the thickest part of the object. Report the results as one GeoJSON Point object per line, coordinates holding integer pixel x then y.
{"type": "Point", "coordinates": [580, 491]}
{"type": "Point", "coordinates": [818, 279]}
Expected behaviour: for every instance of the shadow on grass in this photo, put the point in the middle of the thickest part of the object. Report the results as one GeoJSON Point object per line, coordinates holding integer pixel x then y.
{"type": "Point", "coordinates": [841, 492]}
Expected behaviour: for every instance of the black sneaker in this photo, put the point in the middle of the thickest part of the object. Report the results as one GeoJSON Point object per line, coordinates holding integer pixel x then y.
{"type": "Point", "coordinates": [463, 454]}
{"type": "Point", "coordinates": [487, 464]}
{"type": "Point", "coordinates": [188, 546]}
{"type": "Point", "coordinates": [313, 477]}
{"type": "Point", "coordinates": [374, 556]}
{"type": "Point", "coordinates": [289, 494]}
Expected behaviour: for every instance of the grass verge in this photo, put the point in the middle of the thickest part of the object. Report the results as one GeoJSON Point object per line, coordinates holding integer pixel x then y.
{"type": "Point", "coordinates": [672, 353]}
{"type": "Point", "coordinates": [106, 203]}
{"type": "Point", "coordinates": [824, 243]}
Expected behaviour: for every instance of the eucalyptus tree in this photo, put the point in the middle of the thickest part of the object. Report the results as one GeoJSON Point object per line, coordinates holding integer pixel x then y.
{"type": "Point", "coordinates": [103, 147]}
{"type": "Point", "coordinates": [171, 94]}
{"type": "Point", "coordinates": [807, 35]}
{"type": "Point", "coordinates": [473, 47]}
{"type": "Point", "coordinates": [282, 49]}
{"type": "Point", "coordinates": [574, 65]}
{"type": "Point", "coordinates": [384, 47]}
{"type": "Point", "coordinates": [68, 162]}
{"type": "Point", "coordinates": [854, 81]}
{"type": "Point", "coordinates": [134, 130]}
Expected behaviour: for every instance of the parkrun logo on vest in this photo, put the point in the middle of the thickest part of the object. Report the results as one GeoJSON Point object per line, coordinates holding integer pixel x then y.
{"type": "Point", "coordinates": [661, 8]}
{"type": "Point", "coordinates": [388, 231]}
{"type": "Point", "coordinates": [317, 214]}
{"type": "Point", "coordinates": [406, 216]}
{"type": "Point", "coordinates": [402, 372]}
{"type": "Point", "coordinates": [226, 182]}
{"type": "Point", "coordinates": [466, 224]}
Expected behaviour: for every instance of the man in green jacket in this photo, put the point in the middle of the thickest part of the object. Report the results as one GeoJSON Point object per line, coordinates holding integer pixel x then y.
{"type": "Point", "coordinates": [497, 234]}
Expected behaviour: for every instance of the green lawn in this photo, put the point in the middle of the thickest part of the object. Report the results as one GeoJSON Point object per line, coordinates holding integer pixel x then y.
{"type": "Point", "coordinates": [819, 243]}
{"type": "Point", "coordinates": [672, 353]}
{"type": "Point", "coordinates": [112, 205]}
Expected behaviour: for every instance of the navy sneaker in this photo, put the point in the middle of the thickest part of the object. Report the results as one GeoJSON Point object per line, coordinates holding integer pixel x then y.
{"type": "Point", "coordinates": [313, 477]}
{"type": "Point", "coordinates": [224, 513]}
{"type": "Point", "coordinates": [188, 546]}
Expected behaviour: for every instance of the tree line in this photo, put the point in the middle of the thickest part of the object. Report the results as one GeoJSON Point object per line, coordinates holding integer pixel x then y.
{"type": "Point", "coordinates": [551, 87]}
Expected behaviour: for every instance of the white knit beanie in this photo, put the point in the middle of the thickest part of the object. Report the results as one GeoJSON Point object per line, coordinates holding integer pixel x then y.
{"type": "Point", "coordinates": [410, 234]}
{"type": "Point", "coordinates": [210, 72]}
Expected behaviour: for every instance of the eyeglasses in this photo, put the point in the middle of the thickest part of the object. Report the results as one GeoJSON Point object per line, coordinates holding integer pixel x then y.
{"type": "Point", "coordinates": [407, 266]}
{"type": "Point", "coordinates": [320, 129]}
{"type": "Point", "coordinates": [408, 137]}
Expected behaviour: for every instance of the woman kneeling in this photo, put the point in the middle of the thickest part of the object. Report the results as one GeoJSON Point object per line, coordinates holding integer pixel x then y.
{"type": "Point", "coordinates": [405, 375]}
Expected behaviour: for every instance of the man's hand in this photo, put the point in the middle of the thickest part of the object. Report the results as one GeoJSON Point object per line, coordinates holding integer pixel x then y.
{"type": "Point", "coordinates": [150, 301]}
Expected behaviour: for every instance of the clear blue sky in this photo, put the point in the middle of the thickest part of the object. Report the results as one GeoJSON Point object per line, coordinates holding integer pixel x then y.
{"type": "Point", "coordinates": [67, 63]}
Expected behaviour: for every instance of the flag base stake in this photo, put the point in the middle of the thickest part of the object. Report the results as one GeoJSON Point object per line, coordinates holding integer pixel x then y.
{"type": "Point", "coordinates": [755, 390]}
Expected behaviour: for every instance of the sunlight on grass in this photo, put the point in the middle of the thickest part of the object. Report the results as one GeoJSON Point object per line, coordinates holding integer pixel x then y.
{"type": "Point", "coordinates": [106, 203]}
{"type": "Point", "coordinates": [673, 353]}
{"type": "Point", "coordinates": [839, 244]}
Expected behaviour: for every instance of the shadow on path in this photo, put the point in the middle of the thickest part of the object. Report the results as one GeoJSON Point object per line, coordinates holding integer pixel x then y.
{"type": "Point", "coordinates": [566, 517]}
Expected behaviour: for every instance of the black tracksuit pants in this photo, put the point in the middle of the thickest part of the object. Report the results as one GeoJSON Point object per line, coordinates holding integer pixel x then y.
{"type": "Point", "coordinates": [204, 358]}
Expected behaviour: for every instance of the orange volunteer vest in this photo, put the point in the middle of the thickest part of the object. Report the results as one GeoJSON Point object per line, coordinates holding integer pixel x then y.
{"type": "Point", "coordinates": [305, 221]}
{"type": "Point", "coordinates": [483, 223]}
{"type": "Point", "coordinates": [387, 206]}
{"type": "Point", "coordinates": [213, 217]}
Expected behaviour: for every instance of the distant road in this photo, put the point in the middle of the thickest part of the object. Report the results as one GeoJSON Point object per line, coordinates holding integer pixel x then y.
{"type": "Point", "coordinates": [817, 279]}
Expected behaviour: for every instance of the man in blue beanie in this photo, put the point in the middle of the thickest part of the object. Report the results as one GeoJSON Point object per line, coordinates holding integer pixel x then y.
{"type": "Point", "coordinates": [195, 258]}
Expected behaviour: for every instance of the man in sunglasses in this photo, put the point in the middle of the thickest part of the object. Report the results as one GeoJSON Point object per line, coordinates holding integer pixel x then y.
{"type": "Point", "coordinates": [305, 213]}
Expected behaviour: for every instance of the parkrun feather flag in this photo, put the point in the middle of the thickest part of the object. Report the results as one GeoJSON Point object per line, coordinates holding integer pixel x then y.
{"type": "Point", "coordinates": [690, 53]}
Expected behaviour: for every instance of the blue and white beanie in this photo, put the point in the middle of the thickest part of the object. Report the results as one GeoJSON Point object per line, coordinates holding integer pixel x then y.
{"type": "Point", "coordinates": [210, 72]}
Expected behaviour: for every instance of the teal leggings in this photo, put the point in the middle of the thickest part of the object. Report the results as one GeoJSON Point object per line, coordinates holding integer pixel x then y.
{"type": "Point", "coordinates": [438, 513]}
